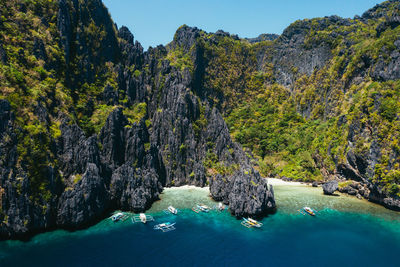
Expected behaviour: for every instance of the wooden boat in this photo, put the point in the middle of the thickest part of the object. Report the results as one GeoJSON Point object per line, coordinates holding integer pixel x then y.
{"type": "Point", "coordinates": [172, 210]}
{"type": "Point", "coordinates": [203, 207]}
{"type": "Point", "coordinates": [308, 210]}
{"type": "Point", "coordinates": [249, 223]}
{"type": "Point", "coordinates": [143, 218]}
{"type": "Point", "coordinates": [118, 216]}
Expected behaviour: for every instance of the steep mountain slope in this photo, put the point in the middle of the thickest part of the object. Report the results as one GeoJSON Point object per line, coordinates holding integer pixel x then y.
{"type": "Point", "coordinates": [91, 123]}
{"type": "Point", "coordinates": [320, 102]}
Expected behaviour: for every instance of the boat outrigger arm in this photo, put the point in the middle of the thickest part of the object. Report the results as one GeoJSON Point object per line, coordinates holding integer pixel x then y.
{"type": "Point", "coordinates": [119, 216]}
{"type": "Point", "coordinates": [165, 227]}
{"type": "Point", "coordinates": [171, 210]}
{"type": "Point", "coordinates": [142, 218]}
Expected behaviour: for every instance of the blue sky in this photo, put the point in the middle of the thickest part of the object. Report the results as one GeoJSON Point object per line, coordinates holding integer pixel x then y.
{"type": "Point", "coordinates": [154, 22]}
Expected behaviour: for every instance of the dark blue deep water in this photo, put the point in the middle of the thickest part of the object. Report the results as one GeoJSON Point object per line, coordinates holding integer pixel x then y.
{"type": "Point", "coordinates": [333, 238]}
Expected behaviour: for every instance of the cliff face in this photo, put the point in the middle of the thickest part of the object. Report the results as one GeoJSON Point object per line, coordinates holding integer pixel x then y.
{"type": "Point", "coordinates": [110, 127]}
{"type": "Point", "coordinates": [341, 76]}
{"type": "Point", "coordinates": [90, 123]}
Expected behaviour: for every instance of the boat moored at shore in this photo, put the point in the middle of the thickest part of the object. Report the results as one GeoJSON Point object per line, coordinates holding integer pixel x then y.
{"type": "Point", "coordinates": [171, 210]}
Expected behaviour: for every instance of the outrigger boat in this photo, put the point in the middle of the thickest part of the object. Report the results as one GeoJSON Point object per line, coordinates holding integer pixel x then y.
{"type": "Point", "coordinates": [142, 218]}
{"type": "Point", "coordinates": [308, 210]}
{"type": "Point", "coordinates": [119, 217]}
{"type": "Point", "coordinates": [249, 223]}
{"type": "Point", "coordinates": [204, 208]}
{"type": "Point", "coordinates": [201, 207]}
{"type": "Point", "coordinates": [172, 210]}
{"type": "Point", "coordinates": [165, 227]}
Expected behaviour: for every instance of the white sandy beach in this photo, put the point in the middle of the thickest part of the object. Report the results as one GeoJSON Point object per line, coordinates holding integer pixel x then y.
{"type": "Point", "coordinates": [275, 181]}
{"type": "Point", "coordinates": [187, 187]}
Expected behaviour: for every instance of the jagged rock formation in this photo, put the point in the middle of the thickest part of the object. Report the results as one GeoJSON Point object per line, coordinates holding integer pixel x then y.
{"type": "Point", "coordinates": [328, 72]}
{"type": "Point", "coordinates": [114, 147]}
{"type": "Point", "coordinates": [330, 187]}
{"type": "Point", "coordinates": [257, 199]}
{"type": "Point", "coordinates": [90, 122]}
{"type": "Point", "coordinates": [263, 37]}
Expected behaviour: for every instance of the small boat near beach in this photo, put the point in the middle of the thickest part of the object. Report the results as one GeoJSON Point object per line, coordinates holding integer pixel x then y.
{"type": "Point", "coordinates": [201, 208]}
{"type": "Point", "coordinates": [165, 227]}
{"type": "Point", "coordinates": [308, 210]}
{"type": "Point", "coordinates": [249, 223]}
{"type": "Point", "coordinates": [119, 217]}
{"type": "Point", "coordinates": [221, 206]}
{"type": "Point", "coordinates": [171, 210]}
{"type": "Point", "coordinates": [142, 217]}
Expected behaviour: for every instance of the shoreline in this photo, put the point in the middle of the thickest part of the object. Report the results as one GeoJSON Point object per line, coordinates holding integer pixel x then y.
{"type": "Point", "coordinates": [26, 237]}
{"type": "Point", "coordinates": [185, 187]}
{"type": "Point", "coordinates": [276, 181]}
{"type": "Point", "coordinates": [272, 181]}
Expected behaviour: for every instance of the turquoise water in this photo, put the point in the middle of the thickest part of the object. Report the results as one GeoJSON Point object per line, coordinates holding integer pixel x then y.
{"type": "Point", "coordinates": [347, 231]}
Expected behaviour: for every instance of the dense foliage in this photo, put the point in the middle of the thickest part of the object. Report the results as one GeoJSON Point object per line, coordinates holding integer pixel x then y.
{"type": "Point", "coordinates": [46, 86]}
{"type": "Point", "coordinates": [303, 131]}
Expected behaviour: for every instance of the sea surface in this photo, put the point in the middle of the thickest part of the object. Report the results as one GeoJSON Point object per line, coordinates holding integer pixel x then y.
{"type": "Point", "coordinates": [346, 232]}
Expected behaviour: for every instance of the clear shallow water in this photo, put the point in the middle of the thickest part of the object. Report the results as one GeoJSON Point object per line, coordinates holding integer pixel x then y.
{"type": "Point", "coordinates": [347, 232]}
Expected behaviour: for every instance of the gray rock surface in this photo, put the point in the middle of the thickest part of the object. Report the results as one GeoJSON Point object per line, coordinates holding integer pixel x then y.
{"type": "Point", "coordinates": [85, 202]}
{"type": "Point", "coordinates": [330, 187]}
{"type": "Point", "coordinates": [245, 191]}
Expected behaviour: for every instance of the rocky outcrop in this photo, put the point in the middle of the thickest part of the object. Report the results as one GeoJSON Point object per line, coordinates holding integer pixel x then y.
{"type": "Point", "coordinates": [75, 151]}
{"type": "Point", "coordinates": [330, 187]}
{"type": "Point", "coordinates": [378, 11]}
{"type": "Point", "coordinates": [293, 57]}
{"type": "Point", "coordinates": [21, 210]}
{"type": "Point", "coordinates": [84, 50]}
{"type": "Point", "coordinates": [370, 192]}
{"type": "Point", "coordinates": [135, 190]}
{"type": "Point", "coordinates": [383, 70]}
{"type": "Point", "coordinates": [85, 202]}
{"type": "Point", "coordinates": [245, 191]}
{"type": "Point", "coordinates": [263, 37]}
{"type": "Point", "coordinates": [354, 188]}
{"type": "Point", "coordinates": [185, 37]}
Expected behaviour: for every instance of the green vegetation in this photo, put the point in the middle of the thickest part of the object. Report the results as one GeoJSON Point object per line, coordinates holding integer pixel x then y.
{"type": "Point", "coordinates": [136, 113]}
{"type": "Point", "coordinates": [33, 78]}
{"type": "Point", "coordinates": [201, 122]}
{"type": "Point", "coordinates": [180, 59]}
{"type": "Point", "coordinates": [215, 166]}
{"type": "Point", "coordinates": [27, 83]}
{"type": "Point", "coordinates": [303, 132]}
{"type": "Point", "coordinates": [99, 117]}
{"type": "Point", "coordinates": [344, 184]}
{"type": "Point", "coordinates": [77, 178]}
